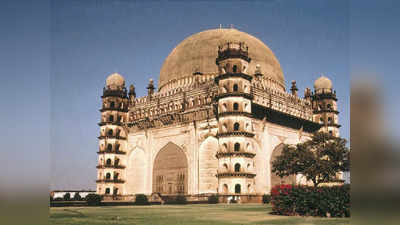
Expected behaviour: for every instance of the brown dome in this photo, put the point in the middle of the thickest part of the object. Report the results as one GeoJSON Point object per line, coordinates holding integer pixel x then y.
{"type": "Point", "coordinates": [199, 51]}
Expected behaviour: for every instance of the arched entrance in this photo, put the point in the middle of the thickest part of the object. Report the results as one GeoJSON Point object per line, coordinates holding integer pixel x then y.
{"type": "Point", "coordinates": [170, 171]}
{"type": "Point", "coordinates": [276, 180]}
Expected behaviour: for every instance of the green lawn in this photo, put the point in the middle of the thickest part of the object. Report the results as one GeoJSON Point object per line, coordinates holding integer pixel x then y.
{"type": "Point", "coordinates": [179, 215]}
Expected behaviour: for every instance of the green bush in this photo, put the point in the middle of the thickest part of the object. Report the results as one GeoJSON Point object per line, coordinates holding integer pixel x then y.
{"type": "Point", "coordinates": [67, 197]}
{"type": "Point", "coordinates": [77, 197]}
{"type": "Point", "coordinates": [141, 199]}
{"type": "Point", "coordinates": [213, 199]}
{"type": "Point", "coordinates": [180, 199]}
{"type": "Point", "coordinates": [331, 201]}
{"type": "Point", "coordinates": [93, 199]}
{"type": "Point", "coordinates": [266, 199]}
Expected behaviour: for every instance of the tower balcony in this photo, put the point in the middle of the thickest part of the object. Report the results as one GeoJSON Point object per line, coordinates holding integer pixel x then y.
{"type": "Point", "coordinates": [235, 113]}
{"type": "Point", "coordinates": [235, 133]}
{"type": "Point", "coordinates": [112, 166]}
{"type": "Point", "coordinates": [118, 152]}
{"type": "Point", "coordinates": [115, 181]}
{"type": "Point", "coordinates": [247, 154]}
{"type": "Point", "coordinates": [113, 109]}
{"type": "Point", "coordinates": [234, 94]}
{"type": "Point", "coordinates": [111, 137]}
{"type": "Point", "coordinates": [230, 75]}
{"type": "Point", "coordinates": [122, 93]}
{"type": "Point", "coordinates": [233, 50]}
{"type": "Point", "coordinates": [118, 123]}
{"type": "Point", "coordinates": [232, 173]}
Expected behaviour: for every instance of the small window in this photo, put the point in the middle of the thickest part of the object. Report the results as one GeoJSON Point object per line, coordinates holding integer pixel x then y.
{"type": "Point", "coordinates": [107, 191]}
{"type": "Point", "coordinates": [236, 127]}
{"type": "Point", "coordinates": [234, 68]}
{"type": "Point", "coordinates": [115, 191]}
{"type": "Point", "coordinates": [112, 104]}
{"type": "Point", "coordinates": [110, 132]}
{"type": "Point", "coordinates": [237, 188]}
{"type": "Point", "coordinates": [329, 106]}
{"type": "Point", "coordinates": [109, 147]}
{"type": "Point", "coordinates": [237, 167]}
{"type": "Point", "coordinates": [235, 87]}
{"type": "Point", "coordinates": [108, 176]}
{"type": "Point", "coordinates": [237, 147]}
{"type": "Point", "coordinates": [117, 147]}
{"type": "Point", "coordinates": [111, 118]}
{"type": "Point", "coordinates": [108, 162]}
{"type": "Point", "coordinates": [235, 106]}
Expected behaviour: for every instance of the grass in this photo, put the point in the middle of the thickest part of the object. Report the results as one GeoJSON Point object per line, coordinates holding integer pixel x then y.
{"type": "Point", "coordinates": [220, 214]}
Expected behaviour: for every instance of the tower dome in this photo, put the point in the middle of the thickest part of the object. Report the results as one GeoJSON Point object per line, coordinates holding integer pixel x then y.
{"type": "Point", "coordinates": [198, 52]}
{"type": "Point", "coordinates": [115, 80]}
{"type": "Point", "coordinates": [323, 83]}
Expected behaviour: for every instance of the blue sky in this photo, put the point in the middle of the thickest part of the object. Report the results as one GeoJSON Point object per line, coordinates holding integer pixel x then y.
{"type": "Point", "coordinates": [60, 59]}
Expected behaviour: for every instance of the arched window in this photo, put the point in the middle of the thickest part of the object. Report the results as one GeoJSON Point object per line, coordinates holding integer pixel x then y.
{"type": "Point", "coordinates": [237, 167]}
{"type": "Point", "coordinates": [111, 118]}
{"type": "Point", "coordinates": [108, 162]}
{"type": "Point", "coordinates": [225, 166]}
{"type": "Point", "coordinates": [110, 132]}
{"type": "Point", "coordinates": [112, 104]}
{"type": "Point", "coordinates": [234, 68]}
{"type": "Point", "coordinates": [237, 188]}
{"type": "Point", "coordinates": [107, 191]}
{"type": "Point", "coordinates": [237, 147]}
{"type": "Point", "coordinates": [116, 176]}
{"type": "Point", "coordinates": [225, 188]}
{"type": "Point", "coordinates": [108, 176]}
{"type": "Point", "coordinates": [109, 147]}
{"type": "Point", "coordinates": [118, 132]}
{"type": "Point", "coordinates": [117, 147]}
{"type": "Point", "coordinates": [115, 191]}
{"type": "Point", "coordinates": [235, 87]}
{"type": "Point", "coordinates": [329, 106]}
{"type": "Point", "coordinates": [116, 162]}
{"type": "Point", "coordinates": [235, 106]}
{"type": "Point", "coordinates": [236, 126]}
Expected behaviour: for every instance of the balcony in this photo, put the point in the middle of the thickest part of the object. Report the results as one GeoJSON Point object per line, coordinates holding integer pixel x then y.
{"type": "Point", "coordinates": [111, 137]}
{"type": "Point", "coordinates": [235, 113]}
{"type": "Point", "coordinates": [232, 173]}
{"type": "Point", "coordinates": [235, 133]}
{"type": "Point", "coordinates": [110, 166]}
{"type": "Point", "coordinates": [235, 154]}
{"type": "Point", "coordinates": [113, 109]}
{"type": "Point", "coordinates": [234, 94]}
{"type": "Point", "coordinates": [116, 181]}
{"type": "Point", "coordinates": [111, 152]}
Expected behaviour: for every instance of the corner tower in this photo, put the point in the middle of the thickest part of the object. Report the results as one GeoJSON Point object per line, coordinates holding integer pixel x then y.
{"type": "Point", "coordinates": [324, 104]}
{"type": "Point", "coordinates": [112, 139]}
{"type": "Point", "coordinates": [235, 155]}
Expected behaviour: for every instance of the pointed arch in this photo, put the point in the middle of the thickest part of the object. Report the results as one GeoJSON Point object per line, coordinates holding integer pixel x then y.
{"type": "Point", "coordinates": [276, 180]}
{"type": "Point", "coordinates": [170, 170]}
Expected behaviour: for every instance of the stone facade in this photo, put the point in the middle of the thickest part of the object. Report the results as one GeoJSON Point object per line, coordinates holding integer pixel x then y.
{"type": "Point", "coordinates": [205, 133]}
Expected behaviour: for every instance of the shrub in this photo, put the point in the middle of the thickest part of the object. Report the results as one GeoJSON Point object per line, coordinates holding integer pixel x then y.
{"type": "Point", "coordinates": [141, 199]}
{"type": "Point", "coordinates": [180, 199]}
{"type": "Point", "coordinates": [213, 199]}
{"type": "Point", "coordinates": [266, 199]}
{"type": "Point", "coordinates": [93, 199]}
{"type": "Point", "coordinates": [331, 201]}
{"type": "Point", "coordinates": [51, 198]}
{"type": "Point", "coordinates": [77, 197]}
{"type": "Point", "coordinates": [58, 199]}
{"type": "Point", "coordinates": [67, 197]}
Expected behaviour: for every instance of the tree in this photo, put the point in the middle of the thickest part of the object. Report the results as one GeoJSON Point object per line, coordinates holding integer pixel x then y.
{"type": "Point", "coordinates": [77, 197]}
{"type": "Point", "coordinates": [93, 199]}
{"type": "Point", "coordinates": [318, 159]}
{"type": "Point", "coordinates": [67, 197]}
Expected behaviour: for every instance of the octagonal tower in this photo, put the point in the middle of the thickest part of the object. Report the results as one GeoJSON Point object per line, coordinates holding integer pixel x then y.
{"type": "Point", "coordinates": [235, 131]}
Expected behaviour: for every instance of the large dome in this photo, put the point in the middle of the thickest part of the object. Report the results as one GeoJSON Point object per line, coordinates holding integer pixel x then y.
{"type": "Point", "coordinates": [199, 51]}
